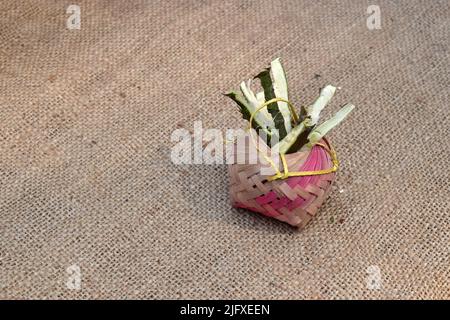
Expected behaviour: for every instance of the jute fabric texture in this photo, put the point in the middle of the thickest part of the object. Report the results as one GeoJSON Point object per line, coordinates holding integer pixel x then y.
{"type": "Point", "coordinates": [87, 183]}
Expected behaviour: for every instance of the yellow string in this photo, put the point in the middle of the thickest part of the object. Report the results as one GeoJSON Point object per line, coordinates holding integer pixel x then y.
{"type": "Point", "coordinates": [286, 173]}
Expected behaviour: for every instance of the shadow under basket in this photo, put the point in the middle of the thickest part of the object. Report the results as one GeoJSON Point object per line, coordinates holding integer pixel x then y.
{"type": "Point", "coordinates": [294, 199]}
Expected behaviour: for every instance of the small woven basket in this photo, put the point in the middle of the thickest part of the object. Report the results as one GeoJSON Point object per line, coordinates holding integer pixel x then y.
{"type": "Point", "coordinates": [292, 199]}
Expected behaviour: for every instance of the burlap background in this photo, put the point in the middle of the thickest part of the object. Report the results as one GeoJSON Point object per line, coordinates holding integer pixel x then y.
{"type": "Point", "coordinates": [86, 178]}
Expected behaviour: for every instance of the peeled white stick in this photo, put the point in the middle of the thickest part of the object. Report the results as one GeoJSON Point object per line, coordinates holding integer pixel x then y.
{"type": "Point", "coordinates": [322, 129]}
{"type": "Point", "coordinates": [313, 112]}
{"type": "Point", "coordinates": [260, 97]}
{"type": "Point", "coordinates": [280, 88]}
{"type": "Point", "coordinates": [263, 116]}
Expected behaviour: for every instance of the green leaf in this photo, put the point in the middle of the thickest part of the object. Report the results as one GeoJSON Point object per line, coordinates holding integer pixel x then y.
{"type": "Point", "coordinates": [266, 83]}
{"type": "Point", "coordinates": [289, 143]}
{"type": "Point", "coordinates": [263, 116]}
{"type": "Point", "coordinates": [321, 130]}
{"type": "Point", "coordinates": [300, 141]}
{"type": "Point", "coordinates": [280, 88]}
{"type": "Point", "coordinates": [314, 110]}
{"type": "Point", "coordinates": [303, 114]}
{"type": "Point", "coordinates": [246, 111]}
{"type": "Point", "coordinates": [243, 107]}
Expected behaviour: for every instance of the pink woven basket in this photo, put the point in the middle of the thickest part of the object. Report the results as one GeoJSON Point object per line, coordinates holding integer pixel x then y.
{"type": "Point", "coordinates": [294, 200]}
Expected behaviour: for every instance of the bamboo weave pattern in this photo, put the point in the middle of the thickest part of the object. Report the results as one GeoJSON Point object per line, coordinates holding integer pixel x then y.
{"type": "Point", "coordinates": [294, 200]}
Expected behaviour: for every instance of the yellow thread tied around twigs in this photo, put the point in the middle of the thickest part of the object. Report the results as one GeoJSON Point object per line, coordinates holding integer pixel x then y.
{"type": "Point", "coordinates": [286, 173]}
